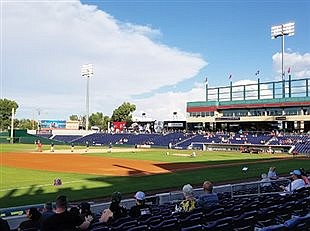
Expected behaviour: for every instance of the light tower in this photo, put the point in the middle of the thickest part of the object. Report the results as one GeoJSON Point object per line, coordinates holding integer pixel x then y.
{"type": "Point", "coordinates": [87, 71]}
{"type": "Point", "coordinates": [280, 31]}
{"type": "Point", "coordinates": [175, 115]}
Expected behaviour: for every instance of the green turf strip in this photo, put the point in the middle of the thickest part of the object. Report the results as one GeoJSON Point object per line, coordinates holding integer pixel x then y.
{"type": "Point", "coordinates": [23, 187]}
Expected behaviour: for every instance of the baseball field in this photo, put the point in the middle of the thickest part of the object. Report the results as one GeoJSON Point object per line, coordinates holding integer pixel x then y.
{"type": "Point", "coordinates": [27, 176]}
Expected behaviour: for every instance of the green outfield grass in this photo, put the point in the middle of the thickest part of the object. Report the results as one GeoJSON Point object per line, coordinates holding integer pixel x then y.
{"type": "Point", "coordinates": [30, 147]}
{"type": "Point", "coordinates": [201, 156]}
{"type": "Point", "coordinates": [24, 186]}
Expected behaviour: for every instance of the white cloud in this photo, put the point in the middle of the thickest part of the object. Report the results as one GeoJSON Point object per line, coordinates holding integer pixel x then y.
{"type": "Point", "coordinates": [163, 105]}
{"type": "Point", "coordinates": [140, 29]}
{"type": "Point", "coordinates": [238, 88]}
{"type": "Point", "coordinates": [299, 64]}
{"type": "Point", "coordinates": [45, 44]}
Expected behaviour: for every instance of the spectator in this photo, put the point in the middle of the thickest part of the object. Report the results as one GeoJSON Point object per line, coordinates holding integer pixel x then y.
{"type": "Point", "coordinates": [115, 211]}
{"type": "Point", "coordinates": [208, 199]}
{"type": "Point", "coordinates": [189, 203]}
{"type": "Point", "coordinates": [47, 212]}
{"type": "Point", "coordinates": [265, 180]}
{"type": "Point", "coordinates": [63, 220]}
{"type": "Point", "coordinates": [85, 210]}
{"type": "Point", "coordinates": [272, 175]}
{"type": "Point", "coordinates": [4, 226]}
{"type": "Point", "coordinates": [33, 221]}
{"type": "Point", "coordinates": [304, 176]}
{"type": "Point", "coordinates": [297, 182]}
{"type": "Point", "coordinates": [140, 208]}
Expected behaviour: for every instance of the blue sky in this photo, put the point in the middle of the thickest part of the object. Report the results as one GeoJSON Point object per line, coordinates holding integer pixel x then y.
{"type": "Point", "coordinates": [155, 54]}
{"type": "Point", "coordinates": [232, 36]}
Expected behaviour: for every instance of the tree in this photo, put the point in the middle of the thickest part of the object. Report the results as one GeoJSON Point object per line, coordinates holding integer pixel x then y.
{"type": "Point", "coordinates": [99, 120]}
{"type": "Point", "coordinates": [6, 106]}
{"type": "Point", "coordinates": [74, 117]}
{"type": "Point", "coordinates": [123, 113]}
{"type": "Point", "coordinates": [27, 124]}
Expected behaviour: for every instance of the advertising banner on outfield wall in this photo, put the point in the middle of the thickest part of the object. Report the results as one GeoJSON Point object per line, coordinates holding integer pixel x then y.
{"type": "Point", "coordinates": [118, 126]}
{"type": "Point", "coordinates": [179, 125]}
{"type": "Point", "coordinates": [52, 124]}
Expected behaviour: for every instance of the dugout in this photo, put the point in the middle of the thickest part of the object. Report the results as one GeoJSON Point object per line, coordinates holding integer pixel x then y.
{"type": "Point", "coordinates": [23, 137]}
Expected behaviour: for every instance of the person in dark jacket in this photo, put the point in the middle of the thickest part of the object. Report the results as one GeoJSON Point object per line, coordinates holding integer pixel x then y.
{"type": "Point", "coordinates": [140, 208]}
{"type": "Point", "coordinates": [47, 212]}
{"type": "Point", "coordinates": [63, 220]}
{"type": "Point", "coordinates": [4, 226]}
{"type": "Point", "coordinates": [115, 211]}
{"type": "Point", "coordinates": [33, 221]}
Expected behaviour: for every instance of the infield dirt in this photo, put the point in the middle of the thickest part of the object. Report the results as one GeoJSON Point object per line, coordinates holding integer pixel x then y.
{"type": "Point", "coordinates": [79, 163]}
{"type": "Point", "coordinates": [76, 162]}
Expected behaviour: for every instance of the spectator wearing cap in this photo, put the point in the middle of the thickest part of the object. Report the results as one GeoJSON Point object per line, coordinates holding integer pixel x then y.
{"type": "Point", "coordinates": [32, 223]}
{"type": "Point", "coordinates": [208, 199]}
{"type": "Point", "coordinates": [189, 203]}
{"type": "Point", "coordinates": [84, 210]}
{"type": "Point", "coordinates": [297, 182]}
{"type": "Point", "coordinates": [140, 208]}
{"type": "Point", "coordinates": [63, 220]}
{"type": "Point", "coordinates": [115, 211]}
{"type": "Point", "coordinates": [47, 212]}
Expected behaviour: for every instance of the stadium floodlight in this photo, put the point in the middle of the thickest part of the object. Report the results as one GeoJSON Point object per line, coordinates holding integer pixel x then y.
{"type": "Point", "coordinates": [12, 126]}
{"type": "Point", "coordinates": [287, 29]}
{"type": "Point", "coordinates": [87, 71]}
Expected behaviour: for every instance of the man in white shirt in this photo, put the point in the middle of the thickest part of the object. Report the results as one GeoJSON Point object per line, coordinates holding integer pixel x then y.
{"type": "Point", "coordinates": [297, 182]}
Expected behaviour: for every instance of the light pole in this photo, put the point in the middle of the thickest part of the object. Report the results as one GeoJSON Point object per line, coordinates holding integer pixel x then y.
{"type": "Point", "coordinates": [175, 115]}
{"type": "Point", "coordinates": [87, 71]}
{"type": "Point", "coordinates": [143, 116]}
{"type": "Point", "coordinates": [280, 31]}
{"type": "Point", "coordinates": [12, 126]}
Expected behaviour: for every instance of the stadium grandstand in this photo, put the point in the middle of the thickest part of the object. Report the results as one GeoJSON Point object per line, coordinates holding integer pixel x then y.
{"type": "Point", "coordinates": [258, 107]}
{"type": "Point", "coordinates": [246, 206]}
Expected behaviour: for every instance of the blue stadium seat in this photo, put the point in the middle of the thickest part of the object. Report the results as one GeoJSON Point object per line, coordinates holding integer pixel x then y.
{"type": "Point", "coordinates": [100, 228]}
{"type": "Point", "coordinates": [139, 228]}
{"type": "Point", "coordinates": [170, 224]}
{"type": "Point", "coordinates": [193, 228]}
{"type": "Point", "coordinates": [192, 219]}
{"type": "Point", "coordinates": [125, 226]}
